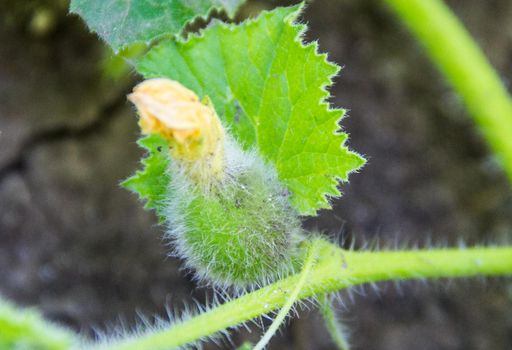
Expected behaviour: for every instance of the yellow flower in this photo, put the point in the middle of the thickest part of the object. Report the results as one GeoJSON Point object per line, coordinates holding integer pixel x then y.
{"type": "Point", "coordinates": [193, 129]}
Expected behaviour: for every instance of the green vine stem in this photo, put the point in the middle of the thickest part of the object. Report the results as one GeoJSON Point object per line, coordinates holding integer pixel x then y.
{"type": "Point", "coordinates": [333, 326]}
{"type": "Point", "coordinates": [26, 329]}
{"type": "Point", "coordinates": [335, 269]}
{"type": "Point", "coordinates": [464, 65]}
{"type": "Point", "coordinates": [309, 262]}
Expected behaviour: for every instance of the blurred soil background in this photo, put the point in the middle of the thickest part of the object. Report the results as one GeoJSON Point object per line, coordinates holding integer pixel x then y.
{"type": "Point", "coordinates": [81, 249]}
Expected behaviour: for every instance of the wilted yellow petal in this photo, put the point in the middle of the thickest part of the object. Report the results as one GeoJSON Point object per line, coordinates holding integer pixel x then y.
{"type": "Point", "coordinates": [192, 128]}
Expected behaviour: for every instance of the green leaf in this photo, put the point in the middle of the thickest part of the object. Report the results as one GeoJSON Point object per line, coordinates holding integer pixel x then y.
{"type": "Point", "coordinates": [270, 90]}
{"type": "Point", "coordinates": [151, 183]}
{"type": "Point", "coordinates": [123, 22]}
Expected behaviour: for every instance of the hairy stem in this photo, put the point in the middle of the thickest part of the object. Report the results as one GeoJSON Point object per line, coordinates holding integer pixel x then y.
{"type": "Point", "coordinates": [335, 269]}
{"type": "Point", "coordinates": [332, 324]}
{"type": "Point", "coordinates": [309, 262]}
{"type": "Point", "coordinates": [464, 65]}
{"type": "Point", "coordinates": [26, 329]}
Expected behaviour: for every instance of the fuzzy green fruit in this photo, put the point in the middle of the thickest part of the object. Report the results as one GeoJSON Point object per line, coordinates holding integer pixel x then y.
{"type": "Point", "coordinates": [240, 231]}
{"type": "Point", "coordinates": [227, 213]}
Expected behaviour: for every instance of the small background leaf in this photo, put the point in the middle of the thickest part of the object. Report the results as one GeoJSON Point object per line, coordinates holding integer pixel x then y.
{"type": "Point", "coordinates": [269, 88]}
{"type": "Point", "coordinates": [123, 22]}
